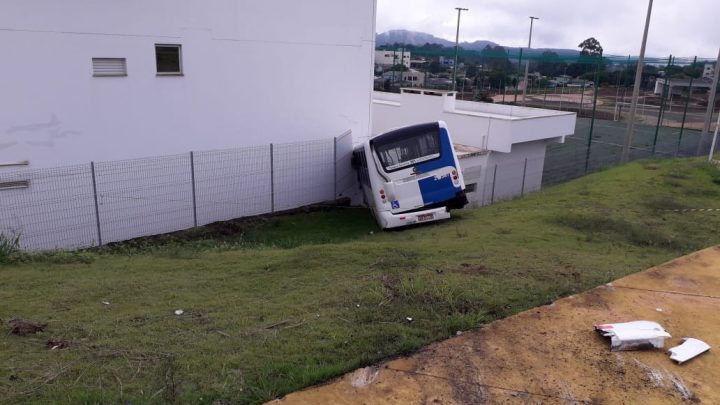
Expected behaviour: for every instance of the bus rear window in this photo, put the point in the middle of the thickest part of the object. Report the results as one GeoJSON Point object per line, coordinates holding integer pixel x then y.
{"type": "Point", "coordinates": [397, 152]}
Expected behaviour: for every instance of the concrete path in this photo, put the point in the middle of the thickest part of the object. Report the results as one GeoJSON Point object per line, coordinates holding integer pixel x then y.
{"type": "Point", "coordinates": [551, 355]}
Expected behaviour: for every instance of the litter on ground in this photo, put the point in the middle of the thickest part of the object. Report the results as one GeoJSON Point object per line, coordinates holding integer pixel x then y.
{"type": "Point", "coordinates": [634, 335]}
{"type": "Point", "coordinates": [690, 348]}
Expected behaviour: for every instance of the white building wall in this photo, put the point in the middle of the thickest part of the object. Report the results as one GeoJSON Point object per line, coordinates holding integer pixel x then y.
{"type": "Point", "coordinates": [517, 173]}
{"type": "Point", "coordinates": [235, 90]}
{"type": "Point", "coordinates": [511, 140]}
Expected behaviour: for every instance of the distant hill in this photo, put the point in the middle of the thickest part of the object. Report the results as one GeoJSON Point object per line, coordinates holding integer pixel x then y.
{"type": "Point", "coordinates": [421, 38]}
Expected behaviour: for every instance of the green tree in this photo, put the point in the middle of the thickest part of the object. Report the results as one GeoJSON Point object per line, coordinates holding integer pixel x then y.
{"type": "Point", "coordinates": [550, 64]}
{"type": "Point", "coordinates": [434, 66]}
{"type": "Point", "coordinates": [495, 58]}
{"type": "Point", "coordinates": [591, 47]}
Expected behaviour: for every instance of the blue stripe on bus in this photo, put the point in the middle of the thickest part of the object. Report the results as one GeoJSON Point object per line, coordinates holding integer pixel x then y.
{"type": "Point", "coordinates": [436, 190]}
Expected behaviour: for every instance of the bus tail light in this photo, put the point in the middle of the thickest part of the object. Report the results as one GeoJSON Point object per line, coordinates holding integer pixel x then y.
{"type": "Point", "coordinates": [454, 175]}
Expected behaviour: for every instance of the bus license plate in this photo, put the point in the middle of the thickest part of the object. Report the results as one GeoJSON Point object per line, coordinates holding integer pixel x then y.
{"type": "Point", "coordinates": [425, 217]}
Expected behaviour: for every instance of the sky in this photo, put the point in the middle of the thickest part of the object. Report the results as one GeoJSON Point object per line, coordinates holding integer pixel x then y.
{"type": "Point", "coordinates": [677, 27]}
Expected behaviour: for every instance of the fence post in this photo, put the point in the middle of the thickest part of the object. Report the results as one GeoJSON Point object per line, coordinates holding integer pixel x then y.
{"type": "Point", "coordinates": [192, 178]}
{"type": "Point", "coordinates": [592, 119]}
{"type": "Point", "coordinates": [522, 190]}
{"type": "Point", "coordinates": [335, 168]}
{"type": "Point", "coordinates": [517, 80]}
{"type": "Point", "coordinates": [272, 179]}
{"type": "Point", "coordinates": [710, 106]}
{"type": "Point", "coordinates": [662, 107]}
{"type": "Point", "coordinates": [97, 208]}
{"type": "Point", "coordinates": [492, 195]}
{"type": "Point", "coordinates": [687, 102]}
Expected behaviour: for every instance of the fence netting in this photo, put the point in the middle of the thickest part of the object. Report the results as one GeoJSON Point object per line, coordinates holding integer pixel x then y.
{"type": "Point", "coordinates": [102, 202]}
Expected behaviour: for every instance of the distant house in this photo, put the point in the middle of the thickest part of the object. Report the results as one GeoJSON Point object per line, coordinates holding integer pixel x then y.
{"type": "Point", "coordinates": [415, 77]}
{"type": "Point", "coordinates": [392, 57]}
{"type": "Point", "coordinates": [681, 86]}
{"type": "Point", "coordinates": [709, 71]}
{"type": "Point", "coordinates": [447, 62]}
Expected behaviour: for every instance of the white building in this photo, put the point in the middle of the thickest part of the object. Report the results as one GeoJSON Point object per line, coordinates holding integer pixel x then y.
{"type": "Point", "coordinates": [94, 80]}
{"type": "Point", "coordinates": [709, 71]}
{"type": "Point", "coordinates": [447, 62]}
{"type": "Point", "coordinates": [415, 77]}
{"type": "Point", "coordinates": [392, 57]}
{"type": "Point", "coordinates": [501, 147]}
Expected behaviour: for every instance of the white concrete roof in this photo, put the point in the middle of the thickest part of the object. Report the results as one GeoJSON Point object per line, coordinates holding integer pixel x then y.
{"type": "Point", "coordinates": [483, 125]}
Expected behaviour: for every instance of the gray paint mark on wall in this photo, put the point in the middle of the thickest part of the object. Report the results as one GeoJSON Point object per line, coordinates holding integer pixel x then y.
{"type": "Point", "coordinates": [41, 134]}
{"type": "Point", "coordinates": [54, 122]}
{"type": "Point", "coordinates": [7, 145]}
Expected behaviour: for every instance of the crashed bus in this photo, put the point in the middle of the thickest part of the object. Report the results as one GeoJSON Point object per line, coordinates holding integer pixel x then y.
{"type": "Point", "coordinates": [410, 175]}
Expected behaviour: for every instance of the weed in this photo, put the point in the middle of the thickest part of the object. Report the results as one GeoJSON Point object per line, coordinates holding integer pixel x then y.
{"type": "Point", "coordinates": [461, 233]}
{"type": "Point", "coordinates": [9, 247]}
{"type": "Point", "coordinates": [664, 203]}
{"type": "Point", "coordinates": [639, 234]}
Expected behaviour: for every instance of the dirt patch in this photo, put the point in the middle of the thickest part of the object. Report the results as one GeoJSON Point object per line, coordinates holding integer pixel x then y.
{"type": "Point", "coordinates": [468, 268]}
{"type": "Point", "coordinates": [55, 343]}
{"type": "Point", "coordinates": [391, 284]}
{"type": "Point", "coordinates": [22, 327]}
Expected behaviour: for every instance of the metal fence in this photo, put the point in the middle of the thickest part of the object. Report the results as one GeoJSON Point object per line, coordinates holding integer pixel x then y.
{"type": "Point", "coordinates": [582, 153]}
{"type": "Point", "coordinates": [507, 179]}
{"type": "Point", "coordinates": [102, 202]}
{"type": "Point", "coordinates": [676, 113]}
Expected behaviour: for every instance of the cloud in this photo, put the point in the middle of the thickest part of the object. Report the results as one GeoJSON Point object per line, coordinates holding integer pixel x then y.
{"type": "Point", "coordinates": [680, 28]}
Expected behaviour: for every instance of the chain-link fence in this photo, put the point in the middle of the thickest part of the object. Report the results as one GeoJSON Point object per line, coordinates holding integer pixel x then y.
{"type": "Point", "coordinates": [676, 111]}
{"type": "Point", "coordinates": [102, 202]}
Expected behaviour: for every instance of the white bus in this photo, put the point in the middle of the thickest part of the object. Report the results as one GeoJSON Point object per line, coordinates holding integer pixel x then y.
{"type": "Point", "coordinates": [410, 175]}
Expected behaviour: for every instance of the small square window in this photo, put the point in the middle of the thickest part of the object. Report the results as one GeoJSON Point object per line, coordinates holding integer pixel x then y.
{"type": "Point", "coordinates": [168, 59]}
{"type": "Point", "coordinates": [109, 67]}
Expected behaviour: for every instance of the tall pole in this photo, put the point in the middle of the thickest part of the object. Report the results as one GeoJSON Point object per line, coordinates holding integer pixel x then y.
{"type": "Point", "coordinates": [517, 79]}
{"type": "Point", "coordinates": [711, 105]}
{"type": "Point", "coordinates": [527, 63]}
{"type": "Point", "coordinates": [636, 89]}
{"type": "Point", "coordinates": [712, 147]}
{"type": "Point", "coordinates": [457, 45]}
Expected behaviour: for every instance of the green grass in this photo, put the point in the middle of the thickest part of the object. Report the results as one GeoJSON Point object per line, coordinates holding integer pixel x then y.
{"type": "Point", "coordinates": [276, 304]}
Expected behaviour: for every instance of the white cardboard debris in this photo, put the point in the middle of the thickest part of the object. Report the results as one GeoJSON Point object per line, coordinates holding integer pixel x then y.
{"type": "Point", "coordinates": [689, 349]}
{"type": "Point", "coordinates": [179, 312]}
{"type": "Point", "coordinates": [634, 335]}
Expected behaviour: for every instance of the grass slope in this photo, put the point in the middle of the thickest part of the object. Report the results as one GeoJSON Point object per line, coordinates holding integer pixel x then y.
{"type": "Point", "coordinates": [274, 305]}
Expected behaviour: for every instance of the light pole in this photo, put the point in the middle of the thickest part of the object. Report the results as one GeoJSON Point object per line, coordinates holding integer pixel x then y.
{"type": "Point", "coordinates": [527, 63]}
{"type": "Point", "coordinates": [627, 145]}
{"type": "Point", "coordinates": [457, 43]}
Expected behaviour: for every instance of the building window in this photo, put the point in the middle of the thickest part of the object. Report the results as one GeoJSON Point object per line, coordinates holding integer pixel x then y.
{"type": "Point", "coordinates": [168, 59]}
{"type": "Point", "coordinates": [104, 67]}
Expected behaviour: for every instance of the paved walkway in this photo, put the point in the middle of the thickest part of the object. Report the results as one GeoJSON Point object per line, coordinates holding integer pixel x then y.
{"type": "Point", "coordinates": [551, 354]}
